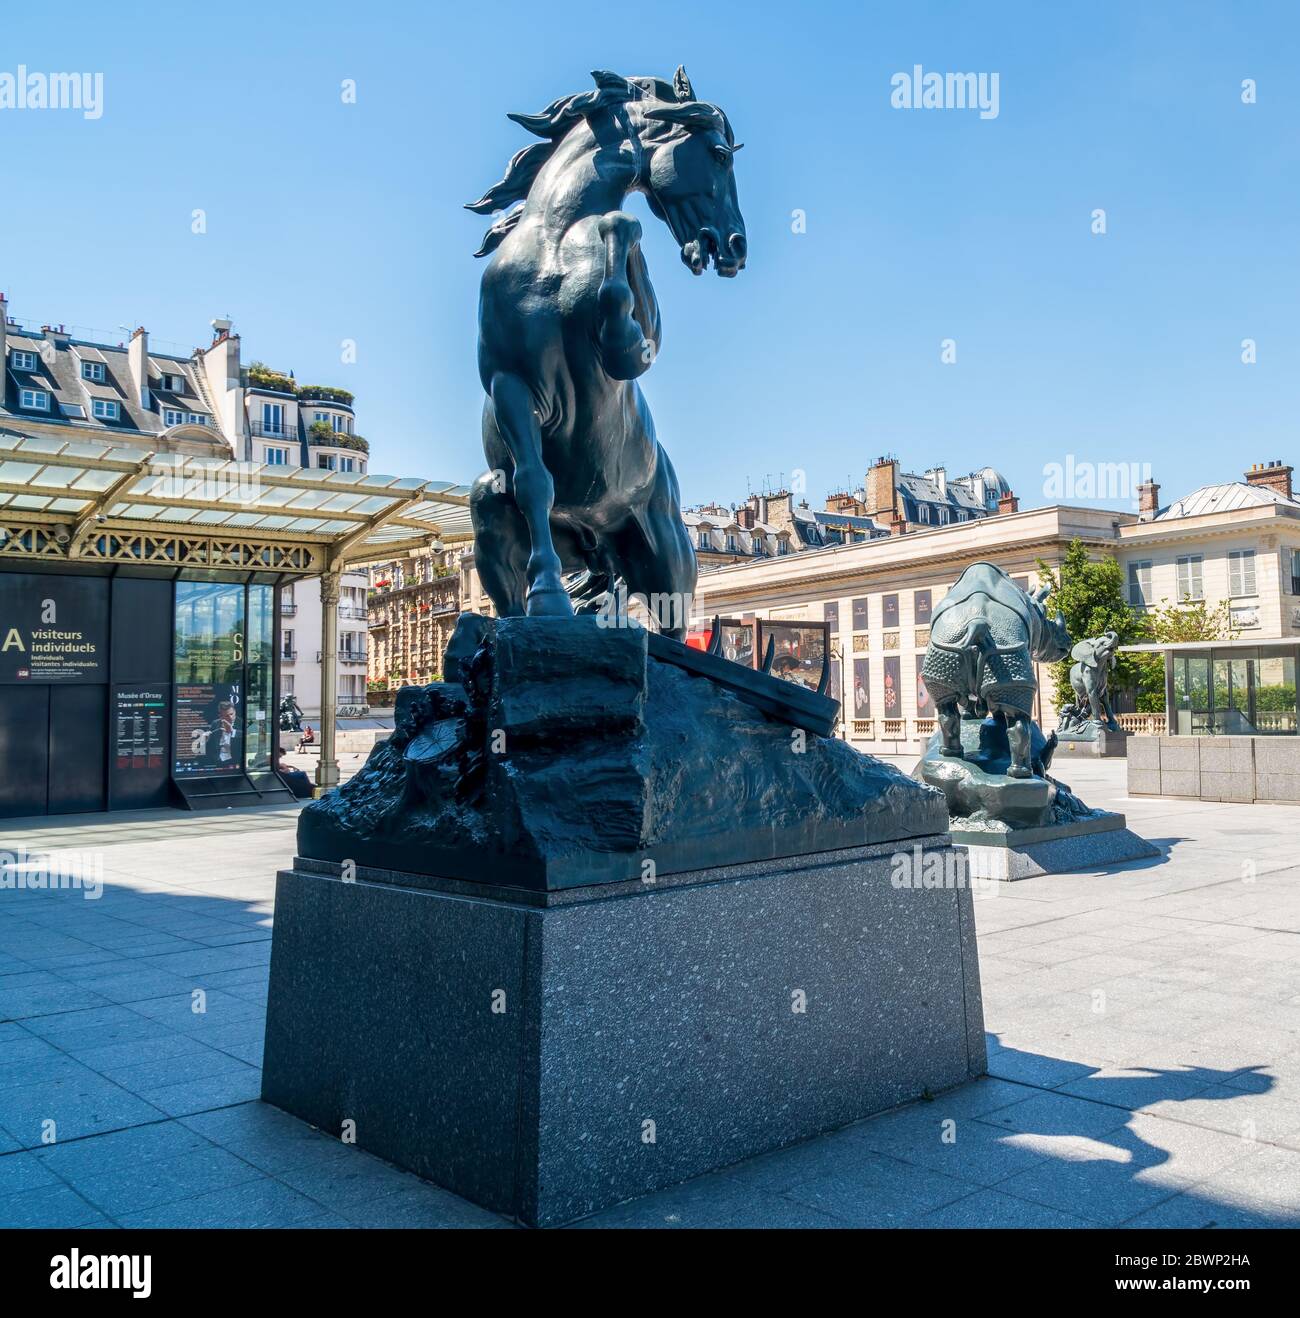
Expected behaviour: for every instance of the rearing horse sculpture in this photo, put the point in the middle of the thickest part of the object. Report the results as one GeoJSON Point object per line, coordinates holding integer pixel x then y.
{"type": "Point", "coordinates": [568, 321]}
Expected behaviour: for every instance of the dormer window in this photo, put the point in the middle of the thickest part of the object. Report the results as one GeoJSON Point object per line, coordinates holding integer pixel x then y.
{"type": "Point", "coordinates": [34, 400]}
{"type": "Point", "coordinates": [22, 361]}
{"type": "Point", "coordinates": [93, 371]}
{"type": "Point", "coordinates": [171, 384]}
{"type": "Point", "coordinates": [704, 540]}
{"type": "Point", "coordinates": [105, 409]}
{"type": "Point", "coordinates": [198, 418]}
{"type": "Point", "coordinates": [171, 417]}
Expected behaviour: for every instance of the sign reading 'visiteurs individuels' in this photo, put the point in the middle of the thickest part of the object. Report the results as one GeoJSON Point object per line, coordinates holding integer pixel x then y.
{"type": "Point", "coordinates": [52, 629]}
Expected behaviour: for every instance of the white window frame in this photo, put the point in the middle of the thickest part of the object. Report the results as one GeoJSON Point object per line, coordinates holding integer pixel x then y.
{"type": "Point", "coordinates": [1191, 567]}
{"type": "Point", "coordinates": [275, 457]}
{"type": "Point", "coordinates": [347, 464]}
{"type": "Point", "coordinates": [273, 418]}
{"type": "Point", "coordinates": [1242, 577]}
{"type": "Point", "coordinates": [34, 400]}
{"type": "Point", "coordinates": [93, 371]}
{"type": "Point", "coordinates": [198, 418]}
{"type": "Point", "coordinates": [1139, 583]}
{"type": "Point", "coordinates": [173, 416]}
{"type": "Point", "coordinates": [105, 409]}
{"type": "Point", "coordinates": [22, 360]}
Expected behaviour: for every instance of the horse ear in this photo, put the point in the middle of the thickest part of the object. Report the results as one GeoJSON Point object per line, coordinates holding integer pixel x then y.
{"type": "Point", "coordinates": [682, 85]}
{"type": "Point", "coordinates": [615, 86]}
{"type": "Point", "coordinates": [694, 115]}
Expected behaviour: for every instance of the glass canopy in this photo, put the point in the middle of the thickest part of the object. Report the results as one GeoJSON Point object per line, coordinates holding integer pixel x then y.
{"type": "Point", "coordinates": [97, 488]}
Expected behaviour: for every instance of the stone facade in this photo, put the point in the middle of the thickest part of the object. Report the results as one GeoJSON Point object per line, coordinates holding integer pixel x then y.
{"type": "Point", "coordinates": [878, 596]}
{"type": "Point", "coordinates": [413, 606]}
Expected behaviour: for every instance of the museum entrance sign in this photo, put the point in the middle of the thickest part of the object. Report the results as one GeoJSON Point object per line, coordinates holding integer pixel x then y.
{"type": "Point", "coordinates": [52, 629]}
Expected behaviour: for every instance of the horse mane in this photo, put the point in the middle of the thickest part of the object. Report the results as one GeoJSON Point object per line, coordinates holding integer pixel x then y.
{"type": "Point", "coordinates": [554, 122]}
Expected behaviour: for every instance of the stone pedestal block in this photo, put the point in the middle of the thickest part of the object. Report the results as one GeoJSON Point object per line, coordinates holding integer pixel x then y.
{"type": "Point", "coordinates": [549, 1053]}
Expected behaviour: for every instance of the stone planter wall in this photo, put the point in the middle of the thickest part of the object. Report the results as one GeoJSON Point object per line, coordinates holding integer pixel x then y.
{"type": "Point", "coordinates": [1216, 768]}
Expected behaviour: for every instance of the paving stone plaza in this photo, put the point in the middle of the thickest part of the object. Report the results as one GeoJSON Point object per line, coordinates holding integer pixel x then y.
{"type": "Point", "coordinates": [1144, 1050]}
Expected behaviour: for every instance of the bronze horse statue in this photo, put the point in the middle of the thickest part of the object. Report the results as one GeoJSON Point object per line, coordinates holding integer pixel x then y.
{"type": "Point", "coordinates": [567, 322]}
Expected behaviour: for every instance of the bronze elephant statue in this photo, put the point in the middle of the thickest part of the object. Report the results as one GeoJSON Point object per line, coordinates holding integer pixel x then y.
{"type": "Point", "coordinates": [1094, 660]}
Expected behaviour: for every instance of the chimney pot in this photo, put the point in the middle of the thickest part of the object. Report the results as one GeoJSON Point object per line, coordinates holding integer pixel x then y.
{"type": "Point", "coordinates": [1272, 475]}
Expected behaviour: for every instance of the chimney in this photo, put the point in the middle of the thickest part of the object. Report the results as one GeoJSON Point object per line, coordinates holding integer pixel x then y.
{"type": "Point", "coordinates": [882, 483]}
{"type": "Point", "coordinates": [1008, 503]}
{"type": "Point", "coordinates": [745, 516]}
{"type": "Point", "coordinates": [137, 362]}
{"type": "Point", "coordinates": [897, 526]}
{"type": "Point", "coordinates": [218, 364]}
{"type": "Point", "coordinates": [4, 334]}
{"type": "Point", "coordinates": [1148, 500]}
{"type": "Point", "coordinates": [1271, 476]}
{"type": "Point", "coordinates": [939, 475]}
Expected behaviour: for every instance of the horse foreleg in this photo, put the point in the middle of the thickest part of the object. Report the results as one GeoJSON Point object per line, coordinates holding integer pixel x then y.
{"type": "Point", "coordinates": [627, 346]}
{"type": "Point", "coordinates": [534, 492]}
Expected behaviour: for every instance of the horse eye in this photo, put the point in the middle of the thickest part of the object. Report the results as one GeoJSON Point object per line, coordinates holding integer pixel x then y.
{"type": "Point", "coordinates": [722, 155]}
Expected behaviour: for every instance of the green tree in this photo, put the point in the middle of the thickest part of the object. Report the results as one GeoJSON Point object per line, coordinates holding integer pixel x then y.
{"type": "Point", "coordinates": [1090, 594]}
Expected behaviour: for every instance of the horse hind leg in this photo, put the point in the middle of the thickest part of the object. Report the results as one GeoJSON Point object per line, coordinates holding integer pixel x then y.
{"type": "Point", "coordinates": [501, 544]}
{"type": "Point", "coordinates": [653, 554]}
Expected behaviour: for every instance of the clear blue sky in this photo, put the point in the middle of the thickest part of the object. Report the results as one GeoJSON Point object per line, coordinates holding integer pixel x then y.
{"type": "Point", "coordinates": [328, 221]}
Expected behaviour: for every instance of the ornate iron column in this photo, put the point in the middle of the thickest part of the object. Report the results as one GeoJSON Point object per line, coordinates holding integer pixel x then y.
{"type": "Point", "coordinates": [327, 771]}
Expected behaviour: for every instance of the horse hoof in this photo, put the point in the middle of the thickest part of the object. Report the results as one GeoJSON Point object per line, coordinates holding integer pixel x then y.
{"type": "Point", "coordinates": [953, 754]}
{"type": "Point", "coordinates": [549, 603]}
{"type": "Point", "coordinates": [1019, 771]}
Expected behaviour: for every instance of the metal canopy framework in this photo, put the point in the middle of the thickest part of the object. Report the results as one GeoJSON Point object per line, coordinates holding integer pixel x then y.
{"type": "Point", "coordinates": [82, 500]}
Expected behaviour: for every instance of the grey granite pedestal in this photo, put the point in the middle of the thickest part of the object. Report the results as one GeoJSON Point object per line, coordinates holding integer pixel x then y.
{"type": "Point", "coordinates": [549, 1053]}
{"type": "Point", "coordinates": [1103, 743]}
{"type": "Point", "coordinates": [1008, 854]}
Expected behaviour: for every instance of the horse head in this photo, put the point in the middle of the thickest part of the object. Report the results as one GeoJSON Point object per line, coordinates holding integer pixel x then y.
{"type": "Point", "coordinates": [688, 179]}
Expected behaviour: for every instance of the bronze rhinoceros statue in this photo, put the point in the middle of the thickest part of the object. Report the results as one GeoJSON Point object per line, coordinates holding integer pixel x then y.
{"type": "Point", "coordinates": [984, 638]}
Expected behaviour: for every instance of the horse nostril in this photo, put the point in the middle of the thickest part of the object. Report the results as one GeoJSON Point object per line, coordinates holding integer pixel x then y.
{"type": "Point", "coordinates": [739, 247]}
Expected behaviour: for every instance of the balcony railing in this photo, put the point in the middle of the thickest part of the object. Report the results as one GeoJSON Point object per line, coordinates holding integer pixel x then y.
{"type": "Point", "coordinates": [357, 612]}
{"type": "Point", "coordinates": [288, 656]}
{"type": "Point", "coordinates": [274, 430]}
{"type": "Point", "coordinates": [288, 608]}
{"type": "Point", "coordinates": [1144, 725]}
{"type": "Point", "coordinates": [346, 656]}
